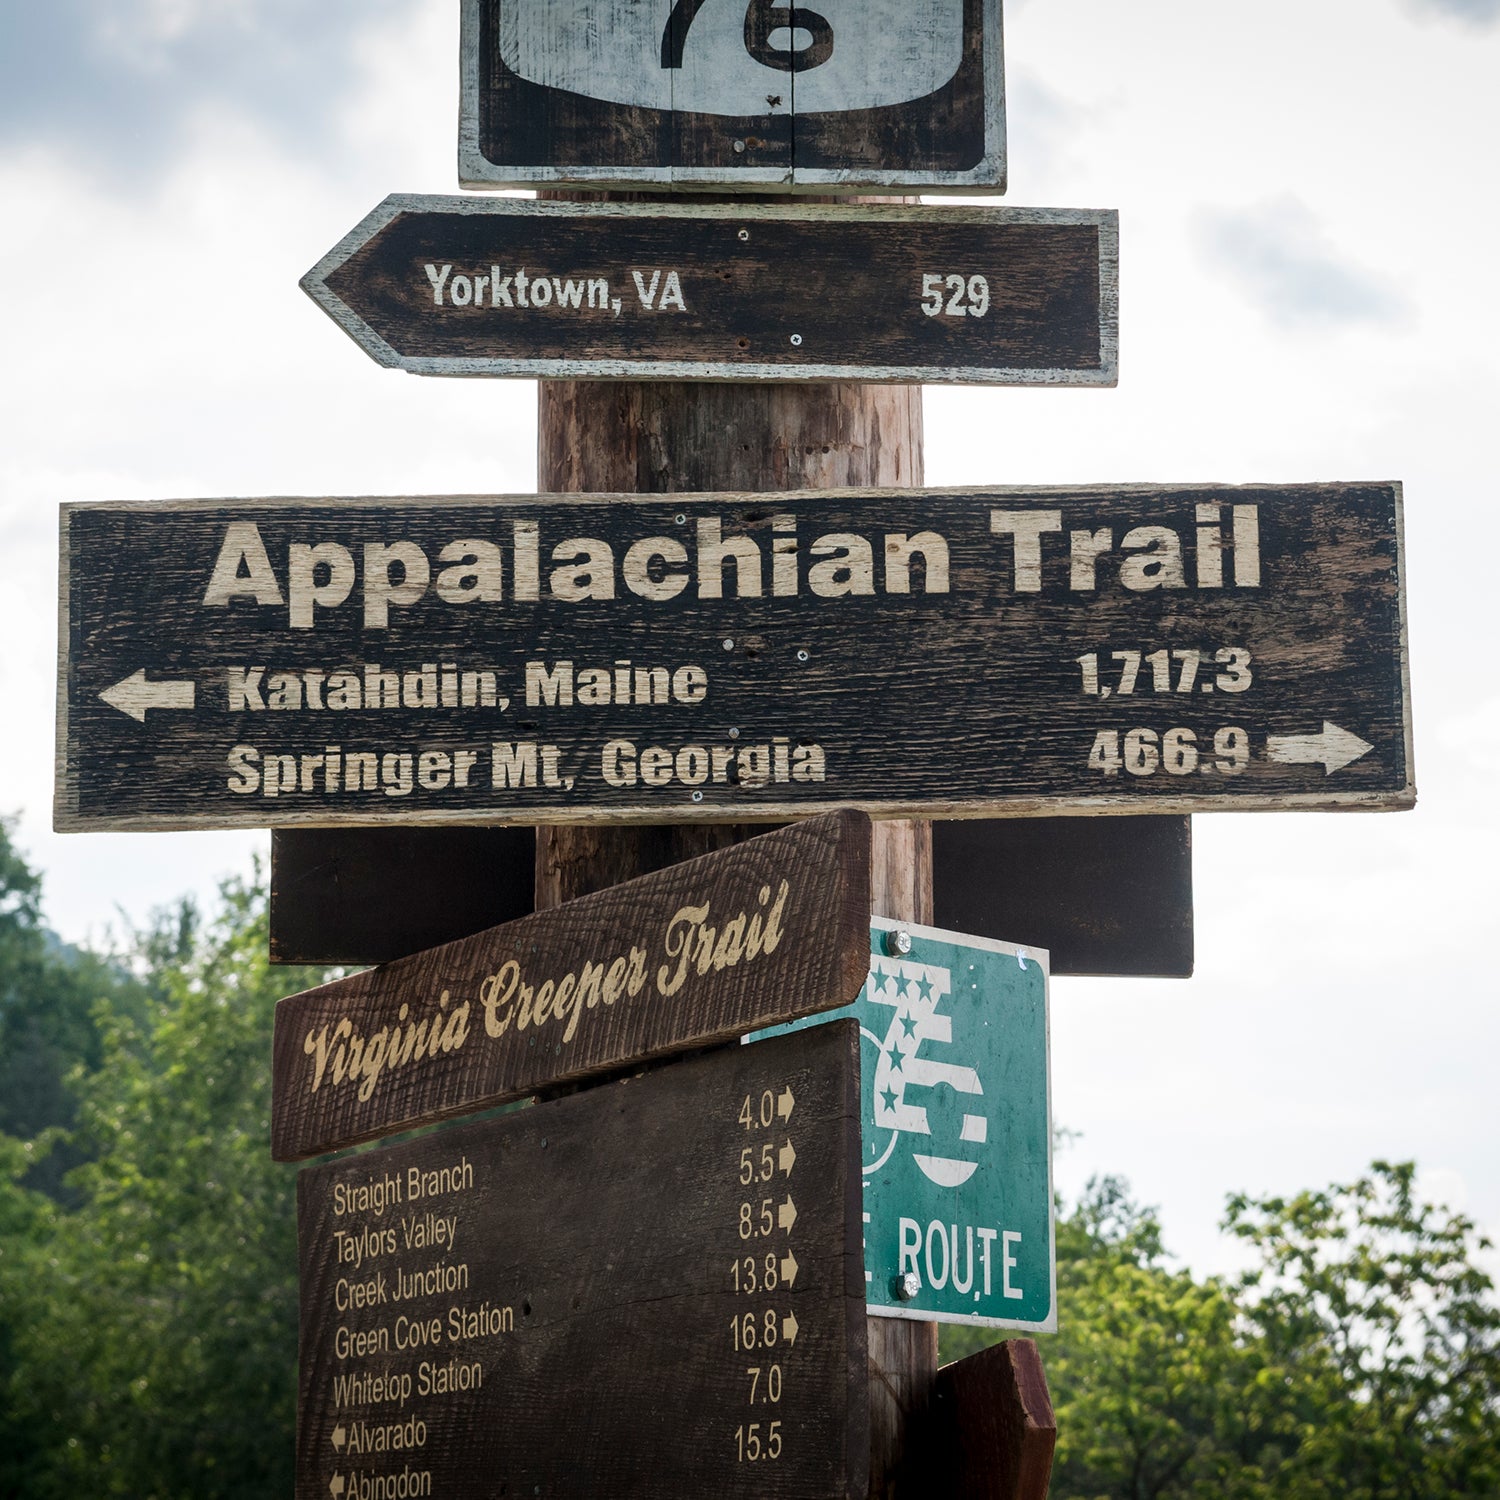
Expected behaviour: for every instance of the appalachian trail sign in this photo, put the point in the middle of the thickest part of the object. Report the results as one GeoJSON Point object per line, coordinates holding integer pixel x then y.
{"type": "Point", "coordinates": [832, 96]}
{"type": "Point", "coordinates": [731, 657]}
{"type": "Point", "coordinates": [766, 931]}
{"type": "Point", "coordinates": [506, 286]}
{"type": "Point", "coordinates": [651, 1288]}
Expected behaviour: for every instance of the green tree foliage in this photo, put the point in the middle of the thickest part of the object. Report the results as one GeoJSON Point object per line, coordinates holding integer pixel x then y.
{"type": "Point", "coordinates": [48, 995]}
{"type": "Point", "coordinates": [149, 1333]}
{"type": "Point", "coordinates": [1370, 1306]}
{"type": "Point", "coordinates": [1359, 1359]}
{"type": "Point", "coordinates": [148, 1302]}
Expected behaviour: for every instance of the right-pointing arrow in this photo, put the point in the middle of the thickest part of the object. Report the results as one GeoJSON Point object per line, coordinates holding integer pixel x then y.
{"type": "Point", "coordinates": [786, 1103]}
{"type": "Point", "coordinates": [789, 1328]}
{"type": "Point", "coordinates": [1334, 749]}
{"type": "Point", "coordinates": [789, 1269]}
{"type": "Point", "coordinates": [786, 1215]}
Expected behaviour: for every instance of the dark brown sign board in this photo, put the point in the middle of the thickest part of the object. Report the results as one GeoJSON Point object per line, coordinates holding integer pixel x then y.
{"type": "Point", "coordinates": [770, 930]}
{"type": "Point", "coordinates": [733, 658]}
{"type": "Point", "coordinates": [651, 291]}
{"type": "Point", "coordinates": [650, 1288]}
{"type": "Point", "coordinates": [1101, 895]}
{"type": "Point", "coordinates": [890, 95]}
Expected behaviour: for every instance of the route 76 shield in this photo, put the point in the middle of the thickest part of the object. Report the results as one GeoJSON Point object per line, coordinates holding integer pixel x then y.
{"type": "Point", "coordinates": [956, 1129]}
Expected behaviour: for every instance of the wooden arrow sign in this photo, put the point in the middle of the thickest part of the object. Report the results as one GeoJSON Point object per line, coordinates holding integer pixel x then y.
{"type": "Point", "coordinates": [608, 1294]}
{"type": "Point", "coordinates": [733, 657]}
{"type": "Point", "coordinates": [770, 930]}
{"type": "Point", "coordinates": [505, 286]}
{"type": "Point", "coordinates": [831, 96]}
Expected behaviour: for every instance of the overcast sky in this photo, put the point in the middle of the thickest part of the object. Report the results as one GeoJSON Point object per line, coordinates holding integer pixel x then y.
{"type": "Point", "coordinates": [1308, 216]}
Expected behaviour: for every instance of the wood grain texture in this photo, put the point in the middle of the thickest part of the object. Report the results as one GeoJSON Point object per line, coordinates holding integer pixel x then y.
{"type": "Point", "coordinates": [703, 952]}
{"type": "Point", "coordinates": [903, 1352]}
{"type": "Point", "coordinates": [736, 292]}
{"type": "Point", "coordinates": [910, 96]}
{"type": "Point", "coordinates": [993, 1425]}
{"type": "Point", "coordinates": [956, 684]}
{"type": "Point", "coordinates": [587, 1299]}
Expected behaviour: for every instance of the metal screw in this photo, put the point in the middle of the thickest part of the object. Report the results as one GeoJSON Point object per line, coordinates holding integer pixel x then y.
{"type": "Point", "coordinates": [681, 519]}
{"type": "Point", "coordinates": [906, 1285]}
{"type": "Point", "coordinates": [802, 656]}
{"type": "Point", "coordinates": [728, 644]}
{"type": "Point", "coordinates": [544, 1143]}
{"type": "Point", "coordinates": [697, 796]}
{"type": "Point", "coordinates": [897, 943]}
{"type": "Point", "coordinates": [744, 234]}
{"type": "Point", "coordinates": [797, 340]}
{"type": "Point", "coordinates": [739, 146]}
{"type": "Point", "coordinates": [734, 734]}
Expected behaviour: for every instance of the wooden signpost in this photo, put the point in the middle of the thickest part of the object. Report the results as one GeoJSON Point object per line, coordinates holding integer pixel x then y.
{"type": "Point", "coordinates": [506, 286]}
{"type": "Point", "coordinates": [771, 930]}
{"type": "Point", "coordinates": [836, 95]}
{"type": "Point", "coordinates": [651, 1288]}
{"type": "Point", "coordinates": [733, 657]}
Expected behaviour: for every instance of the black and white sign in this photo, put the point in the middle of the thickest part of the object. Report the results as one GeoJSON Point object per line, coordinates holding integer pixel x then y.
{"type": "Point", "coordinates": [723, 657]}
{"type": "Point", "coordinates": [753, 94]}
{"type": "Point", "coordinates": [507, 286]}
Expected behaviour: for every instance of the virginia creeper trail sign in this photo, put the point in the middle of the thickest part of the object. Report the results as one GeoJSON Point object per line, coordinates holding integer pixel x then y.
{"type": "Point", "coordinates": [956, 1126]}
{"type": "Point", "coordinates": [739, 94]}
{"type": "Point", "coordinates": [732, 657]}
{"type": "Point", "coordinates": [650, 1288]}
{"type": "Point", "coordinates": [508, 286]}
{"type": "Point", "coordinates": [772, 929]}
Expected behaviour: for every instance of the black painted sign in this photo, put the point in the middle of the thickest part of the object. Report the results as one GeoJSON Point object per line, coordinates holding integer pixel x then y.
{"type": "Point", "coordinates": [834, 95]}
{"type": "Point", "coordinates": [771, 930]}
{"type": "Point", "coordinates": [655, 1287]}
{"type": "Point", "coordinates": [732, 657]}
{"type": "Point", "coordinates": [508, 286]}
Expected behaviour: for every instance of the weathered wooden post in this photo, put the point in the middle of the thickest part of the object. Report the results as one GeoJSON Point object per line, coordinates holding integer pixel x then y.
{"type": "Point", "coordinates": [601, 438]}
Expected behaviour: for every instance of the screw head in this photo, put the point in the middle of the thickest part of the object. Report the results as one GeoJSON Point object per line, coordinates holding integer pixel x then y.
{"type": "Point", "coordinates": [697, 796]}
{"type": "Point", "coordinates": [728, 643]}
{"type": "Point", "coordinates": [797, 340]}
{"type": "Point", "coordinates": [906, 1285]}
{"type": "Point", "coordinates": [739, 147]}
{"type": "Point", "coordinates": [681, 519]}
{"type": "Point", "coordinates": [897, 943]}
{"type": "Point", "coordinates": [802, 656]}
{"type": "Point", "coordinates": [734, 734]}
{"type": "Point", "coordinates": [744, 234]}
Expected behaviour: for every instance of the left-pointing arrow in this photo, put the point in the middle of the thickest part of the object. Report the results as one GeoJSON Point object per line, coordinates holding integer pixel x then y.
{"type": "Point", "coordinates": [134, 695]}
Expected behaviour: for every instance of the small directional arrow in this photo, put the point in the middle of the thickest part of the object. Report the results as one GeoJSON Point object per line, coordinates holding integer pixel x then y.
{"type": "Point", "coordinates": [338, 1436]}
{"type": "Point", "coordinates": [789, 1328]}
{"type": "Point", "coordinates": [788, 1158]}
{"type": "Point", "coordinates": [788, 1269]}
{"type": "Point", "coordinates": [336, 1484]}
{"type": "Point", "coordinates": [786, 1215]}
{"type": "Point", "coordinates": [134, 695]}
{"type": "Point", "coordinates": [785, 1104]}
{"type": "Point", "coordinates": [1334, 749]}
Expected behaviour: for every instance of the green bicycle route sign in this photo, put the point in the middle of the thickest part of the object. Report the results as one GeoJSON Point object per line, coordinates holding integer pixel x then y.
{"type": "Point", "coordinates": [956, 1129]}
